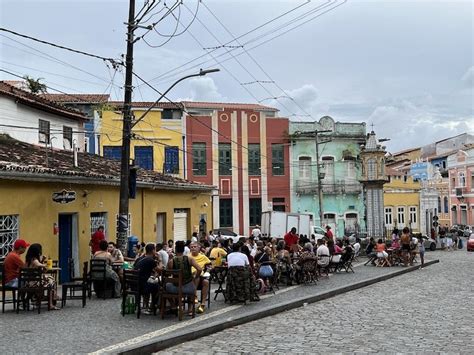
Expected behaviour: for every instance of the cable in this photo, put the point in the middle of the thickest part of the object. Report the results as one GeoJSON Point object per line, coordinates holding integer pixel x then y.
{"type": "Point", "coordinates": [110, 60]}
{"type": "Point", "coordinates": [244, 34]}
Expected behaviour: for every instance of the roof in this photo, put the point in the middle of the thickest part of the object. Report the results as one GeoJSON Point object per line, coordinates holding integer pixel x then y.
{"type": "Point", "coordinates": [77, 98]}
{"type": "Point", "coordinates": [38, 102]}
{"type": "Point", "coordinates": [23, 161]}
{"type": "Point", "coordinates": [227, 105]}
{"type": "Point", "coordinates": [146, 104]}
{"type": "Point", "coordinates": [393, 172]}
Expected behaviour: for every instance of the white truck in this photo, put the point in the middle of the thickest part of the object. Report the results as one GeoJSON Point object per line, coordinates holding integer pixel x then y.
{"type": "Point", "coordinates": [276, 224]}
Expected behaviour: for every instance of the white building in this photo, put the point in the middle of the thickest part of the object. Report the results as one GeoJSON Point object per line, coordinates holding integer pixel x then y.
{"type": "Point", "coordinates": [32, 119]}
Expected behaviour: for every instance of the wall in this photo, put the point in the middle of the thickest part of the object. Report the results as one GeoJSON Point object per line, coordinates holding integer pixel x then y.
{"type": "Point", "coordinates": [158, 134]}
{"type": "Point", "coordinates": [12, 113]}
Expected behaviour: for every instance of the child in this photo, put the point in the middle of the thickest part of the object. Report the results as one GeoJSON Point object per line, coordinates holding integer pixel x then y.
{"type": "Point", "coordinates": [421, 250]}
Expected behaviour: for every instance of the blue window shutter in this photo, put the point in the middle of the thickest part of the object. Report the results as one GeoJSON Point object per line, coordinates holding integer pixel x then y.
{"type": "Point", "coordinates": [113, 152]}
{"type": "Point", "coordinates": [171, 160]}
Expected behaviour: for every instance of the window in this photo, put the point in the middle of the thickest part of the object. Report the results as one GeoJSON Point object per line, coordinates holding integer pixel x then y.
{"type": "Point", "coordinates": [462, 179]}
{"type": "Point", "coordinates": [169, 114]}
{"type": "Point", "coordinates": [371, 169]}
{"type": "Point", "coordinates": [413, 219]}
{"type": "Point", "coordinates": [401, 215]}
{"type": "Point", "coordinates": [44, 132]}
{"type": "Point", "coordinates": [67, 137]}
{"type": "Point", "coordinates": [111, 152]}
{"type": "Point", "coordinates": [453, 182]}
{"type": "Point", "coordinates": [278, 204]}
{"type": "Point", "coordinates": [254, 159]}
{"type": "Point", "coordinates": [255, 211]}
{"type": "Point", "coordinates": [225, 159]}
{"type": "Point", "coordinates": [9, 230]}
{"type": "Point", "coordinates": [305, 168]}
{"type": "Point", "coordinates": [171, 165]}
{"type": "Point", "coordinates": [328, 168]}
{"type": "Point", "coordinates": [388, 216]}
{"type": "Point", "coordinates": [225, 213]}
{"type": "Point", "coordinates": [439, 203]}
{"type": "Point", "coordinates": [446, 204]}
{"type": "Point", "coordinates": [278, 159]}
{"type": "Point", "coordinates": [144, 157]}
{"type": "Point", "coordinates": [351, 169]}
{"type": "Point", "coordinates": [199, 159]}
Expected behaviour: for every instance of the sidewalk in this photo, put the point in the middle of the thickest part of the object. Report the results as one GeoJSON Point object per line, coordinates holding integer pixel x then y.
{"type": "Point", "coordinates": [101, 328]}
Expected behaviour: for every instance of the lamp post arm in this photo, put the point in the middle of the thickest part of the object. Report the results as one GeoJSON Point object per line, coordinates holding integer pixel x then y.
{"type": "Point", "coordinates": [201, 73]}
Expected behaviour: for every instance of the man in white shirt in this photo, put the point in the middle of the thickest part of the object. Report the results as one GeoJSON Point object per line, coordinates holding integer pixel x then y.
{"type": "Point", "coordinates": [356, 246]}
{"type": "Point", "coordinates": [322, 253]}
{"type": "Point", "coordinates": [252, 246]}
{"type": "Point", "coordinates": [163, 254]}
{"type": "Point", "coordinates": [256, 232]}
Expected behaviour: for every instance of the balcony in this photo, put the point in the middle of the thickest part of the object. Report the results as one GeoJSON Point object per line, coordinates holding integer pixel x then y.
{"type": "Point", "coordinates": [332, 187]}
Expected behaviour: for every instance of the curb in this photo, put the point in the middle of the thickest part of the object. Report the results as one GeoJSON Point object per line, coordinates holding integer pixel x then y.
{"type": "Point", "coordinates": [184, 335]}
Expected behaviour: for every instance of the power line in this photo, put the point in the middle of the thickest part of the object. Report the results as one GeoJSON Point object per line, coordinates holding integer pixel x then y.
{"type": "Point", "coordinates": [110, 60]}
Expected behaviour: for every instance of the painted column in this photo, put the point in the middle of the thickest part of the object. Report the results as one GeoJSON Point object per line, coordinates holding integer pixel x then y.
{"type": "Point", "coordinates": [235, 172]}
{"type": "Point", "coordinates": [215, 170]}
{"type": "Point", "coordinates": [245, 174]}
{"type": "Point", "coordinates": [263, 162]}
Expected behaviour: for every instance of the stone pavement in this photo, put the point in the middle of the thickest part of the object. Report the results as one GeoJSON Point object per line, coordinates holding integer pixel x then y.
{"type": "Point", "coordinates": [101, 327]}
{"type": "Point", "coordinates": [428, 310]}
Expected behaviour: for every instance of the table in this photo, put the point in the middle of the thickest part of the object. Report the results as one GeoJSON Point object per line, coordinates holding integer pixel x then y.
{"type": "Point", "coordinates": [219, 274]}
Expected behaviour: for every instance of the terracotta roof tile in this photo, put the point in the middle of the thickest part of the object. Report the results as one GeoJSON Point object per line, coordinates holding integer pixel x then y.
{"type": "Point", "coordinates": [18, 157]}
{"type": "Point", "coordinates": [77, 98]}
{"type": "Point", "coordinates": [146, 104]}
{"type": "Point", "coordinates": [227, 105]}
{"type": "Point", "coordinates": [39, 102]}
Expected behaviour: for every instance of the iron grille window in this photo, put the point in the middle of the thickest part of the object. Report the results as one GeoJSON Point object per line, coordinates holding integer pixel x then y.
{"type": "Point", "coordinates": [169, 114]}
{"type": "Point", "coordinates": [9, 229]}
{"type": "Point", "coordinates": [225, 159]}
{"type": "Point", "coordinates": [44, 131]}
{"type": "Point", "coordinates": [255, 211]}
{"type": "Point", "coordinates": [171, 165]}
{"type": "Point", "coordinates": [67, 137]}
{"type": "Point", "coordinates": [199, 159]}
{"type": "Point", "coordinates": [225, 213]}
{"type": "Point", "coordinates": [278, 159]}
{"type": "Point", "coordinates": [254, 159]}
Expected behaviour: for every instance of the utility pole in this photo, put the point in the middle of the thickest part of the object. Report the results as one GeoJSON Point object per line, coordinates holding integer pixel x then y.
{"type": "Point", "coordinates": [123, 222]}
{"type": "Point", "coordinates": [320, 177]}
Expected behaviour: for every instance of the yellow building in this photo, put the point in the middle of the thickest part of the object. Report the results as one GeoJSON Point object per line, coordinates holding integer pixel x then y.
{"type": "Point", "coordinates": [401, 202]}
{"type": "Point", "coordinates": [157, 140]}
{"type": "Point", "coordinates": [45, 199]}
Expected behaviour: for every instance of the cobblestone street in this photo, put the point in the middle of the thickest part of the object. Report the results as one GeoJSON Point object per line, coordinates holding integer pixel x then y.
{"type": "Point", "coordinates": [427, 310]}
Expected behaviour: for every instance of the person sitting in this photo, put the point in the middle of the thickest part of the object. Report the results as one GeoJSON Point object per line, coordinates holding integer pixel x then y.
{"type": "Point", "coordinates": [164, 256]}
{"type": "Point", "coordinates": [35, 259]}
{"type": "Point", "coordinates": [284, 261]}
{"type": "Point", "coordinates": [356, 247]}
{"type": "Point", "coordinates": [395, 241]}
{"type": "Point", "coordinates": [240, 283]}
{"type": "Point", "coordinates": [382, 254]}
{"type": "Point", "coordinates": [116, 254]}
{"type": "Point", "coordinates": [200, 281]}
{"type": "Point", "coordinates": [370, 251]}
{"type": "Point", "coordinates": [103, 254]}
{"type": "Point", "coordinates": [183, 263]}
{"type": "Point", "coordinates": [149, 266]}
{"type": "Point", "coordinates": [322, 253]}
{"type": "Point", "coordinates": [265, 270]}
{"type": "Point", "coordinates": [217, 253]}
{"type": "Point", "coordinates": [13, 263]}
{"type": "Point", "coordinates": [245, 250]}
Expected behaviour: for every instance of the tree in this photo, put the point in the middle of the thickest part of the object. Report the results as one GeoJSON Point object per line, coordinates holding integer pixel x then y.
{"type": "Point", "coordinates": [35, 85]}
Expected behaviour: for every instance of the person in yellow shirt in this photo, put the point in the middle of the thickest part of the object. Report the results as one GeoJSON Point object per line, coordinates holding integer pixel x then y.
{"type": "Point", "coordinates": [201, 282]}
{"type": "Point", "coordinates": [217, 253]}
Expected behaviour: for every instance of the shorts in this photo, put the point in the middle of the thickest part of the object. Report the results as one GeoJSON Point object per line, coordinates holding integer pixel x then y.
{"type": "Point", "coordinates": [188, 289]}
{"type": "Point", "coordinates": [12, 283]}
{"type": "Point", "coordinates": [406, 247]}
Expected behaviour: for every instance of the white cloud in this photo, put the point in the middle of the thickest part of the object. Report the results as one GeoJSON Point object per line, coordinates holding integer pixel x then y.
{"type": "Point", "coordinates": [299, 101]}
{"type": "Point", "coordinates": [468, 77]}
{"type": "Point", "coordinates": [204, 89]}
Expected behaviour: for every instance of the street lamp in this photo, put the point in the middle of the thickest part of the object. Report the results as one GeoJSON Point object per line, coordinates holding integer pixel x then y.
{"type": "Point", "coordinates": [123, 225]}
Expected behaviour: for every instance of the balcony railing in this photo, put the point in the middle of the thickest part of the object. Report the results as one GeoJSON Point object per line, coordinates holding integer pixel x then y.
{"type": "Point", "coordinates": [303, 186]}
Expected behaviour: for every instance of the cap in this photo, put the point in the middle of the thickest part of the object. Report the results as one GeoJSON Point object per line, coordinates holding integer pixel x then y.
{"type": "Point", "coordinates": [20, 243]}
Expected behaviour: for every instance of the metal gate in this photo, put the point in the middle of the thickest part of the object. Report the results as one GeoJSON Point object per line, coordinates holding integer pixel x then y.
{"type": "Point", "coordinates": [8, 233]}
{"type": "Point", "coordinates": [99, 219]}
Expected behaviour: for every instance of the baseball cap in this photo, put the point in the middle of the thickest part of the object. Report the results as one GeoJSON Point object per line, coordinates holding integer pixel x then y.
{"type": "Point", "coordinates": [20, 243]}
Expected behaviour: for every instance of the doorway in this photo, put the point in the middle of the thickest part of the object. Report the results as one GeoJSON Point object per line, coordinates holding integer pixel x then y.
{"type": "Point", "coordinates": [68, 247]}
{"type": "Point", "coordinates": [161, 227]}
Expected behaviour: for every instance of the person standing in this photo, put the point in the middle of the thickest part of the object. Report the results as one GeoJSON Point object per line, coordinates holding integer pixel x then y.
{"type": "Point", "coordinates": [96, 238]}
{"type": "Point", "coordinates": [328, 233]}
{"type": "Point", "coordinates": [291, 240]}
{"type": "Point", "coordinates": [256, 232]}
{"type": "Point", "coordinates": [405, 241]}
{"type": "Point", "coordinates": [13, 263]}
{"type": "Point", "coordinates": [421, 250]}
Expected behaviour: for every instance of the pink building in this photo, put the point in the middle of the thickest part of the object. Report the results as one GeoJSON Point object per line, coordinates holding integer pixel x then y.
{"type": "Point", "coordinates": [461, 185]}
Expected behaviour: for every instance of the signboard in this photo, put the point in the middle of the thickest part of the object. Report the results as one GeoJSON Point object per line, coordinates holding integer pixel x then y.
{"type": "Point", "coordinates": [420, 171]}
{"type": "Point", "coordinates": [64, 196]}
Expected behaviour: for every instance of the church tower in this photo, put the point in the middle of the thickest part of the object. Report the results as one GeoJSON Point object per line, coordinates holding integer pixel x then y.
{"type": "Point", "coordinates": [373, 177]}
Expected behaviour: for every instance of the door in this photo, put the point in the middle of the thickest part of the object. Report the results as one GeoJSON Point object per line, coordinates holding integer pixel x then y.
{"type": "Point", "coordinates": [161, 227]}
{"type": "Point", "coordinates": [351, 223]}
{"type": "Point", "coordinates": [180, 226]}
{"type": "Point", "coordinates": [65, 246]}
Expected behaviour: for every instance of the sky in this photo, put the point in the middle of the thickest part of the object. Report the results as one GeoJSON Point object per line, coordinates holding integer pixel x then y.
{"type": "Point", "coordinates": [405, 66]}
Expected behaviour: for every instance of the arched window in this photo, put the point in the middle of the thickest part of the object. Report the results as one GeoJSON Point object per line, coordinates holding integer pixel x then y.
{"type": "Point", "coordinates": [462, 179]}
{"type": "Point", "coordinates": [446, 204]}
{"type": "Point", "coordinates": [305, 168]}
{"type": "Point", "coordinates": [439, 203]}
